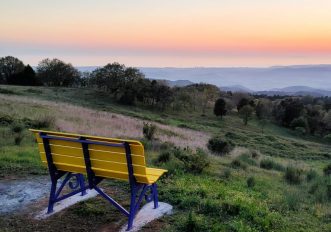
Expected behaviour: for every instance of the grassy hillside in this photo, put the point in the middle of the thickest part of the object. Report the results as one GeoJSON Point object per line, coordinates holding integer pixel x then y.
{"type": "Point", "coordinates": [243, 191]}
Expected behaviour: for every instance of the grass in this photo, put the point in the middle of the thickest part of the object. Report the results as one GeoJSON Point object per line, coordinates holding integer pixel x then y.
{"type": "Point", "coordinates": [233, 193]}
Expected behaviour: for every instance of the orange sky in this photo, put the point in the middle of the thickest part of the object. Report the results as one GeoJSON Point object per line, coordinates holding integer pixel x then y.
{"type": "Point", "coordinates": [173, 33]}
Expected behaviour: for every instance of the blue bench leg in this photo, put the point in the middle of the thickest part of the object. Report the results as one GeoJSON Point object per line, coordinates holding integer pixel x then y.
{"type": "Point", "coordinates": [155, 196]}
{"type": "Point", "coordinates": [82, 184]}
{"type": "Point", "coordinates": [52, 197]}
{"type": "Point", "coordinates": [132, 208]}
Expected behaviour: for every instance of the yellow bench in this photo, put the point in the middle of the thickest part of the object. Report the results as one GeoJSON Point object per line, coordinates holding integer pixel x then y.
{"type": "Point", "coordinates": [72, 155]}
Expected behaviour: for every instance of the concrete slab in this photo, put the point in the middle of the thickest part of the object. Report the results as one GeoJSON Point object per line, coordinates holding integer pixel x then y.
{"type": "Point", "coordinates": [67, 203]}
{"type": "Point", "coordinates": [147, 214]}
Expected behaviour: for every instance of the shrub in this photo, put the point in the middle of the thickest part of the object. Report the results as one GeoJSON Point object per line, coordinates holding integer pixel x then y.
{"type": "Point", "coordinates": [328, 138]}
{"type": "Point", "coordinates": [149, 130]}
{"type": "Point", "coordinates": [311, 175]}
{"type": "Point", "coordinates": [227, 173]}
{"type": "Point", "coordinates": [18, 138]}
{"type": "Point", "coordinates": [219, 146]}
{"type": "Point", "coordinates": [255, 155]}
{"type": "Point", "coordinates": [328, 191]}
{"type": "Point", "coordinates": [327, 170]}
{"type": "Point", "coordinates": [17, 127]}
{"type": "Point", "coordinates": [193, 162]}
{"type": "Point", "coordinates": [293, 200]}
{"type": "Point", "coordinates": [5, 119]}
{"type": "Point", "coordinates": [164, 157]}
{"type": "Point", "coordinates": [43, 122]}
{"type": "Point", "coordinates": [293, 175]}
{"type": "Point", "coordinates": [270, 164]}
{"type": "Point", "coordinates": [192, 224]}
{"type": "Point", "coordinates": [238, 164]}
{"type": "Point", "coordinates": [250, 182]}
{"type": "Point", "coordinates": [246, 158]}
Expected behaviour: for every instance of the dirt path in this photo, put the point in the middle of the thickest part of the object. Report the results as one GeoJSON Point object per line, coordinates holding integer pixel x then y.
{"type": "Point", "coordinates": [16, 195]}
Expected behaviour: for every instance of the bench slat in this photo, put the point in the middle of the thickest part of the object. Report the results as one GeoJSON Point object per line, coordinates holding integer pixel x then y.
{"type": "Point", "coordinates": [101, 164]}
{"type": "Point", "coordinates": [94, 154]}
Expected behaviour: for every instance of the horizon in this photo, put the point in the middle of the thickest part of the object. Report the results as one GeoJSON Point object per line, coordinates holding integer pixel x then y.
{"type": "Point", "coordinates": [168, 34]}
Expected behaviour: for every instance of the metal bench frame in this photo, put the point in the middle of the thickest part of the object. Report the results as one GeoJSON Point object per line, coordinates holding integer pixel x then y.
{"type": "Point", "coordinates": [138, 190]}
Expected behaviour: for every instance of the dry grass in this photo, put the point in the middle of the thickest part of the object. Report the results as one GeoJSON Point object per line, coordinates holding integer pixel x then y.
{"type": "Point", "coordinates": [77, 119]}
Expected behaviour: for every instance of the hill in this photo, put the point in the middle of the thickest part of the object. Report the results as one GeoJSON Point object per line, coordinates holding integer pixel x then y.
{"type": "Point", "coordinates": [246, 190]}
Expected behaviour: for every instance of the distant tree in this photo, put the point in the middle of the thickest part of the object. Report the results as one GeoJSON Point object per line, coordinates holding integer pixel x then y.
{"type": "Point", "coordinates": [246, 113]}
{"type": "Point", "coordinates": [244, 102]}
{"type": "Point", "coordinates": [220, 107]}
{"type": "Point", "coordinates": [9, 66]}
{"type": "Point", "coordinates": [26, 77]}
{"type": "Point", "coordinates": [57, 73]}
{"type": "Point", "coordinates": [263, 109]}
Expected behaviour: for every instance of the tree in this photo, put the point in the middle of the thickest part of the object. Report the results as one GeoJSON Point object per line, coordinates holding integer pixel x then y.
{"type": "Point", "coordinates": [9, 66]}
{"type": "Point", "coordinates": [246, 113]}
{"type": "Point", "coordinates": [26, 77]}
{"type": "Point", "coordinates": [263, 109]}
{"type": "Point", "coordinates": [245, 101]}
{"type": "Point", "coordinates": [220, 107]}
{"type": "Point", "coordinates": [57, 73]}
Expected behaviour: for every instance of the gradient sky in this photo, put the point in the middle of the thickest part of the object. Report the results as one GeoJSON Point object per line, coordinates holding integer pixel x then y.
{"type": "Point", "coordinates": [159, 33]}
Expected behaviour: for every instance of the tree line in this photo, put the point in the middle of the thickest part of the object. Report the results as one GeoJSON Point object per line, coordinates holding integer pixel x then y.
{"type": "Point", "coordinates": [127, 85]}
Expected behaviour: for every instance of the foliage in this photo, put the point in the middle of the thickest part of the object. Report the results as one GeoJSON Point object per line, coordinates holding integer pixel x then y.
{"type": "Point", "coordinates": [270, 164]}
{"type": "Point", "coordinates": [245, 113]}
{"type": "Point", "coordinates": [293, 175]}
{"type": "Point", "coordinates": [149, 130]}
{"type": "Point", "coordinates": [311, 175]}
{"type": "Point", "coordinates": [194, 162]}
{"type": "Point", "coordinates": [57, 73]}
{"type": "Point", "coordinates": [9, 67]}
{"type": "Point", "coordinates": [250, 182]}
{"type": "Point", "coordinates": [237, 164]}
{"type": "Point", "coordinates": [164, 157]}
{"type": "Point", "coordinates": [220, 107]}
{"type": "Point", "coordinates": [327, 170]}
{"type": "Point", "coordinates": [220, 146]}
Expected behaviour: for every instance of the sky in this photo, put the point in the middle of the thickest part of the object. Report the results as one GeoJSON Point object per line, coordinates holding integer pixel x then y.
{"type": "Point", "coordinates": [173, 33]}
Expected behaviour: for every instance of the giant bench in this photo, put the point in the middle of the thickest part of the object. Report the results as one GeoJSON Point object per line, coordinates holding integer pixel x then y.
{"type": "Point", "coordinates": [72, 157]}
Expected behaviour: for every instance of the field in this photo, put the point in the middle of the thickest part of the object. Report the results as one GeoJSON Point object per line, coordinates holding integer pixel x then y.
{"type": "Point", "coordinates": [245, 190]}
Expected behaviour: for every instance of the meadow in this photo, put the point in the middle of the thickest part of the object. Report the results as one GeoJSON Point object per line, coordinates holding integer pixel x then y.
{"type": "Point", "coordinates": [270, 181]}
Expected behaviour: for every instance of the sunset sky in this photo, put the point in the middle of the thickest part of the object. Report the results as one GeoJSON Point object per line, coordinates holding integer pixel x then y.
{"type": "Point", "coordinates": [159, 33]}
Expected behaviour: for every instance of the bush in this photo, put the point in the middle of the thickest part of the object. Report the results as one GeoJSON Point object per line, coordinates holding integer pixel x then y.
{"type": "Point", "coordinates": [164, 157]}
{"type": "Point", "coordinates": [246, 158]}
{"type": "Point", "coordinates": [219, 146]}
{"type": "Point", "coordinates": [18, 138]}
{"type": "Point", "coordinates": [328, 138]}
{"type": "Point", "coordinates": [5, 119]}
{"type": "Point", "coordinates": [250, 182]}
{"type": "Point", "coordinates": [193, 162]}
{"type": "Point", "coordinates": [311, 175]}
{"type": "Point", "coordinates": [293, 175]}
{"type": "Point", "coordinates": [17, 128]}
{"type": "Point", "coordinates": [192, 224]}
{"type": "Point", "coordinates": [43, 122]}
{"type": "Point", "coordinates": [149, 130]}
{"type": "Point", "coordinates": [238, 164]}
{"type": "Point", "coordinates": [227, 173]}
{"type": "Point", "coordinates": [327, 170]}
{"type": "Point", "coordinates": [270, 164]}
{"type": "Point", "coordinates": [293, 200]}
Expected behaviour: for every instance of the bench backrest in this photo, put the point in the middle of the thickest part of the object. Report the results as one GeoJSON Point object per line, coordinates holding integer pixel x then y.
{"type": "Point", "coordinates": [107, 155]}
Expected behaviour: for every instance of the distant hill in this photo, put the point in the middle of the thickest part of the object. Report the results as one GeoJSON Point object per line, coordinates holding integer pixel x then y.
{"type": "Point", "coordinates": [257, 79]}
{"type": "Point", "coordinates": [236, 88]}
{"type": "Point", "coordinates": [178, 83]}
{"type": "Point", "coordinates": [296, 91]}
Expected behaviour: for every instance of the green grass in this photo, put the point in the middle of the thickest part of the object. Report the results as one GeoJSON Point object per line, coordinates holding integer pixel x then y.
{"type": "Point", "coordinates": [218, 199]}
